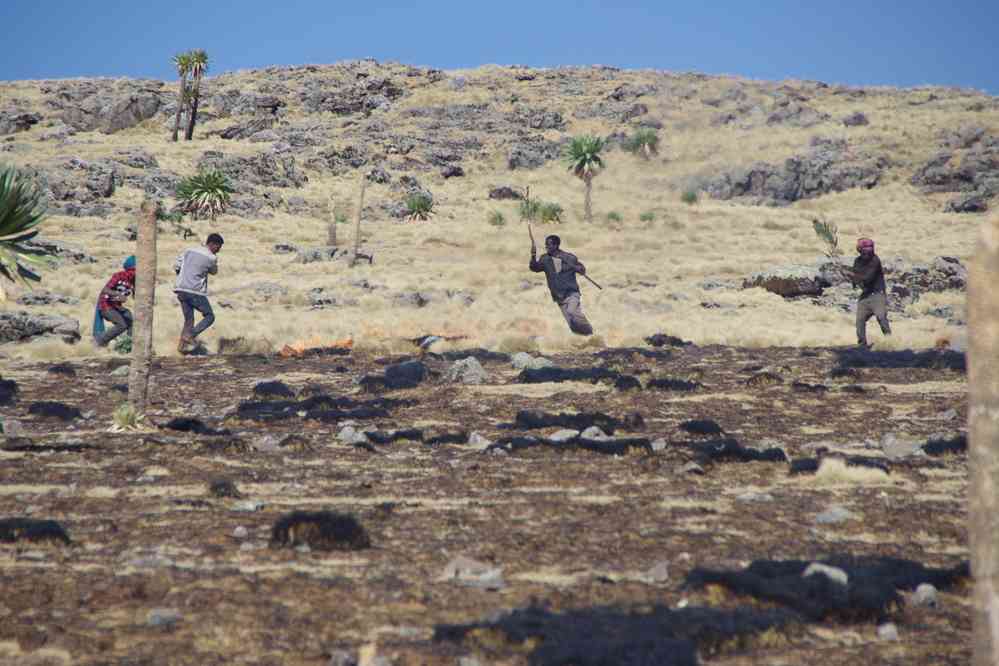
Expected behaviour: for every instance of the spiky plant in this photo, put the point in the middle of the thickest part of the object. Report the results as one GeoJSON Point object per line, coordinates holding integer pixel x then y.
{"type": "Point", "coordinates": [497, 219]}
{"type": "Point", "coordinates": [644, 142]}
{"type": "Point", "coordinates": [583, 157]}
{"type": "Point", "coordinates": [206, 194]}
{"type": "Point", "coordinates": [183, 63]}
{"type": "Point", "coordinates": [829, 233]}
{"type": "Point", "coordinates": [199, 67]}
{"type": "Point", "coordinates": [419, 207]}
{"type": "Point", "coordinates": [21, 211]}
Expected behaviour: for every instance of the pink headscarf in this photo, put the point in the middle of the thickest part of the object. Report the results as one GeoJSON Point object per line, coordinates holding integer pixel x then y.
{"type": "Point", "coordinates": [865, 245]}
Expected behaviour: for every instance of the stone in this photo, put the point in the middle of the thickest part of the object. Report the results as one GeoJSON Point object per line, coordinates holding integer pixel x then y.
{"type": "Point", "coordinates": [833, 516]}
{"type": "Point", "coordinates": [248, 506]}
{"type": "Point", "coordinates": [12, 120]}
{"type": "Point", "coordinates": [967, 203]}
{"type": "Point", "coordinates": [120, 371]}
{"type": "Point", "coordinates": [594, 433]}
{"type": "Point", "coordinates": [755, 497]}
{"type": "Point", "coordinates": [888, 632]}
{"type": "Point", "coordinates": [659, 445]}
{"type": "Point", "coordinates": [18, 326]}
{"type": "Point", "coordinates": [42, 297]}
{"type": "Point", "coordinates": [471, 573]}
{"type": "Point", "coordinates": [896, 448]}
{"type": "Point", "coordinates": [692, 468]}
{"type": "Point", "coordinates": [478, 442]}
{"type": "Point", "coordinates": [240, 532]}
{"type": "Point", "coordinates": [11, 428]}
{"type": "Point", "coordinates": [467, 371]}
{"type": "Point", "coordinates": [342, 658]}
{"type": "Point", "coordinates": [505, 192]}
{"type": "Point", "coordinates": [658, 573]}
{"type": "Point", "coordinates": [563, 435]}
{"type": "Point", "coordinates": [163, 617]}
{"type": "Point", "coordinates": [532, 152]}
{"type": "Point", "coordinates": [524, 361]}
{"type": "Point", "coordinates": [856, 119]}
{"type": "Point", "coordinates": [925, 595]}
{"type": "Point", "coordinates": [834, 574]}
{"type": "Point", "coordinates": [452, 171]}
{"type": "Point", "coordinates": [316, 254]}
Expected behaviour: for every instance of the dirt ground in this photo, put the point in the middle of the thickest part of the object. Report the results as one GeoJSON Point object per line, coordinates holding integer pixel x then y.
{"type": "Point", "coordinates": [158, 571]}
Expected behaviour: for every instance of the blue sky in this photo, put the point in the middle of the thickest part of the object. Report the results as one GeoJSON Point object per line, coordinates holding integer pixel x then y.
{"type": "Point", "coordinates": [891, 43]}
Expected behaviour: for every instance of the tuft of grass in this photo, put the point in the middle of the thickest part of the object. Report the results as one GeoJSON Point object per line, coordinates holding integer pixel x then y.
{"type": "Point", "coordinates": [419, 207]}
{"type": "Point", "coordinates": [647, 216]}
{"type": "Point", "coordinates": [835, 472]}
{"type": "Point", "coordinates": [340, 217]}
{"type": "Point", "coordinates": [497, 219]}
{"type": "Point", "coordinates": [530, 209]}
{"type": "Point", "coordinates": [614, 216]}
{"type": "Point", "coordinates": [689, 197]}
{"type": "Point", "coordinates": [125, 416]}
{"type": "Point", "coordinates": [644, 142]}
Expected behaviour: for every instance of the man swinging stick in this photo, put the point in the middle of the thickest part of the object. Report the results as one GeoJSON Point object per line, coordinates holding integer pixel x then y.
{"type": "Point", "coordinates": [560, 270]}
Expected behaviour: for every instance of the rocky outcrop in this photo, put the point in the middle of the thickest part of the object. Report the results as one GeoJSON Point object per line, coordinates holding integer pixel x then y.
{"type": "Point", "coordinates": [969, 165]}
{"type": "Point", "coordinates": [532, 152]}
{"type": "Point", "coordinates": [20, 326]}
{"type": "Point", "coordinates": [829, 167]}
{"type": "Point", "coordinates": [14, 120]}
{"type": "Point", "coordinates": [266, 168]}
{"type": "Point", "coordinates": [365, 95]}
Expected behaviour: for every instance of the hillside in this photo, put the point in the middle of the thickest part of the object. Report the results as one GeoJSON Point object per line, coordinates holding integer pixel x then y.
{"type": "Point", "coordinates": [765, 158]}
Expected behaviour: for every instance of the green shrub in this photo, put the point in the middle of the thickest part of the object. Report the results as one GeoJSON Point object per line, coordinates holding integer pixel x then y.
{"type": "Point", "coordinates": [614, 216]}
{"type": "Point", "coordinates": [123, 345]}
{"type": "Point", "coordinates": [530, 209]}
{"type": "Point", "coordinates": [644, 142]}
{"type": "Point", "coordinates": [689, 197]}
{"type": "Point", "coordinates": [164, 215]}
{"type": "Point", "coordinates": [419, 206]}
{"type": "Point", "coordinates": [497, 219]}
{"type": "Point", "coordinates": [340, 217]}
{"type": "Point", "coordinates": [550, 212]}
{"type": "Point", "coordinates": [206, 194]}
{"type": "Point", "coordinates": [647, 216]}
{"type": "Point", "coordinates": [125, 416]}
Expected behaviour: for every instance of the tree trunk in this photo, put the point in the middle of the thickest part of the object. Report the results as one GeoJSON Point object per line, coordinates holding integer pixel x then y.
{"type": "Point", "coordinates": [588, 200]}
{"type": "Point", "coordinates": [357, 223]}
{"type": "Point", "coordinates": [983, 429]}
{"type": "Point", "coordinates": [195, 98]}
{"type": "Point", "coordinates": [145, 295]}
{"type": "Point", "coordinates": [331, 230]}
{"type": "Point", "coordinates": [180, 107]}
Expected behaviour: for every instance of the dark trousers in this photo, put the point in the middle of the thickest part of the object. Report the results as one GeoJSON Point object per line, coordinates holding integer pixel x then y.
{"type": "Point", "coordinates": [188, 304]}
{"type": "Point", "coordinates": [875, 305]}
{"type": "Point", "coordinates": [121, 320]}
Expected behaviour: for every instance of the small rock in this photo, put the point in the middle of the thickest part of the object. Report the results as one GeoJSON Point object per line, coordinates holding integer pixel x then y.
{"type": "Point", "coordinates": [925, 595]}
{"type": "Point", "coordinates": [692, 468]}
{"type": "Point", "coordinates": [121, 371]}
{"type": "Point", "coordinates": [12, 429]}
{"type": "Point", "coordinates": [34, 555]}
{"type": "Point", "coordinates": [467, 371]}
{"type": "Point", "coordinates": [240, 532]}
{"type": "Point", "coordinates": [342, 658]}
{"type": "Point", "coordinates": [832, 573]}
{"type": "Point", "coordinates": [593, 432]}
{"type": "Point", "coordinates": [477, 441]}
{"type": "Point", "coordinates": [888, 631]}
{"type": "Point", "coordinates": [303, 548]}
{"type": "Point", "coordinates": [659, 445]}
{"type": "Point", "coordinates": [472, 573]}
{"type": "Point", "coordinates": [755, 497]}
{"type": "Point", "coordinates": [895, 447]}
{"type": "Point", "coordinates": [247, 547]}
{"type": "Point", "coordinates": [163, 617]}
{"type": "Point", "coordinates": [659, 573]}
{"type": "Point", "coordinates": [564, 435]}
{"type": "Point", "coordinates": [524, 361]}
{"type": "Point", "coordinates": [949, 415]}
{"type": "Point", "coordinates": [468, 661]}
{"type": "Point", "coordinates": [833, 515]}
{"type": "Point", "coordinates": [249, 506]}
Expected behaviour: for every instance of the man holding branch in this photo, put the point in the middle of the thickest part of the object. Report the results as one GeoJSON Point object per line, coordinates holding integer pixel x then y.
{"type": "Point", "coordinates": [560, 269]}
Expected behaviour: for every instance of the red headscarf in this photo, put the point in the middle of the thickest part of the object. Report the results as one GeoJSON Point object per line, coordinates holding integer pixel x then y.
{"type": "Point", "coordinates": [865, 245]}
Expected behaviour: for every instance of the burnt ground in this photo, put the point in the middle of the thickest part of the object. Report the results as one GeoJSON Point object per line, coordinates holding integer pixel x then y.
{"type": "Point", "coordinates": [158, 573]}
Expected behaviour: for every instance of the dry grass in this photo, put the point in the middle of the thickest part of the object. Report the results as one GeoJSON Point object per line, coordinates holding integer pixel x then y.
{"type": "Point", "coordinates": [458, 250]}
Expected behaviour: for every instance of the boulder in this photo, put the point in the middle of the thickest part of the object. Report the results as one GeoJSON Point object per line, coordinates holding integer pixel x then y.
{"type": "Point", "coordinates": [13, 120]}
{"type": "Point", "coordinates": [856, 119]}
{"type": "Point", "coordinates": [128, 112]}
{"type": "Point", "coordinates": [452, 171]}
{"type": "Point", "coordinates": [43, 297]}
{"type": "Point", "coordinates": [787, 112]}
{"type": "Point", "coordinates": [246, 129]}
{"type": "Point", "coordinates": [967, 203]}
{"type": "Point", "coordinates": [531, 153]}
{"type": "Point", "coordinates": [264, 168]}
{"type": "Point", "coordinates": [18, 326]}
{"type": "Point", "coordinates": [467, 371]}
{"type": "Point", "coordinates": [137, 158]}
{"type": "Point", "coordinates": [314, 254]}
{"type": "Point", "coordinates": [505, 192]}
{"type": "Point", "coordinates": [789, 282]}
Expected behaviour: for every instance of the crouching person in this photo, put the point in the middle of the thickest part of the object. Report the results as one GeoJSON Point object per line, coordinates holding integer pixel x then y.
{"type": "Point", "coordinates": [193, 267]}
{"type": "Point", "coordinates": [111, 305]}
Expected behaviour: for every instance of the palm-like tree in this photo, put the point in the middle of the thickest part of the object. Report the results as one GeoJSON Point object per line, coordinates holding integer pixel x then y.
{"type": "Point", "coordinates": [21, 210]}
{"type": "Point", "coordinates": [183, 62]}
{"type": "Point", "coordinates": [583, 157]}
{"type": "Point", "coordinates": [199, 66]}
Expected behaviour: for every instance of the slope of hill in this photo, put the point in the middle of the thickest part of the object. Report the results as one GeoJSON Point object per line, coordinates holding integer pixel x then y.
{"type": "Point", "coordinates": [763, 158]}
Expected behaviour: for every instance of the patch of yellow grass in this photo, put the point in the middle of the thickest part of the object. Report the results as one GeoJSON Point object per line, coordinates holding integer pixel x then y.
{"type": "Point", "coordinates": [835, 472]}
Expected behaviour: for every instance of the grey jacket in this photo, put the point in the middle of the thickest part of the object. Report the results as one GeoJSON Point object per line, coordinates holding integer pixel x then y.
{"type": "Point", "coordinates": [560, 270]}
{"type": "Point", "coordinates": [192, 268]}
